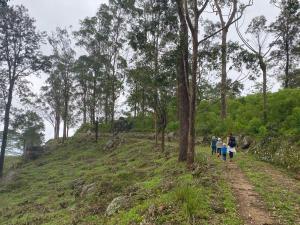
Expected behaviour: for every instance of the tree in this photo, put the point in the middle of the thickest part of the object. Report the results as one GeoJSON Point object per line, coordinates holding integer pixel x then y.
{"type": "Point", "coordinates": [63, 64]}
{"type": "Point", "coordinates": [259, 32]}
{"type": "Point", "coordinates": [151, 37]}
{"type": "Point", "coordinates": [19, 58]}
{"type": "Point", "coordinates": [30, 127]}
{"type": "Point", "coordinates": [287, 29]}
{"type": "Point", "coordinates": [229, 9]}
{"type": "Point", "coordinates": [49, 103]}
{"type": "Point", "coordinates": [102, 36]}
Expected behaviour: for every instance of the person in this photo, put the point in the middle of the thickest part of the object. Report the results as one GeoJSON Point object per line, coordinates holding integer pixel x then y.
{"type": "Point", "coordinates": [224, 151]}
{"type": "Point", "coordinates": [231, 146]}
{"type": "Point", "coordinates": [213, 145]}
{"type": "Point", "coordinates": [219, 146]}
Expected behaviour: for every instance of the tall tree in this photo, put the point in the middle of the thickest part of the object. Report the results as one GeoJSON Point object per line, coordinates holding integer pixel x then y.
{"type": "Point", "coordinates": [49, 103]}
{"type": "Point", "coordinates": [261, 49]}
{"type": "Point", "coordinates": [287, 29]}
{"type": "Point", "coordinates": [63, 62]}
{"type": "Point", "coordinates": [227, 10]}
{"type": "Point", "coordinates": [19, 58]}
{"type": "Point", "coordinates": [151, 37]}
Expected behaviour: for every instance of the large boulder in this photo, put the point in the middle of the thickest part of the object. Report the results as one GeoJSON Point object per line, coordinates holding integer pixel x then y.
{"type": "Point", "coordinates": [114, 142]}
{"type": "Point", "coordinates": [246, 142]}
{"type": "Point", "coordinates": [116, 204]}
{"type": "Point", "coordinates": [171, 136]}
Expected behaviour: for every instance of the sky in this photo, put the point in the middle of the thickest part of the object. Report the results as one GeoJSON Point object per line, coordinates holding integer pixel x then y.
{"type": "Point", "coordinates": [50, 14]}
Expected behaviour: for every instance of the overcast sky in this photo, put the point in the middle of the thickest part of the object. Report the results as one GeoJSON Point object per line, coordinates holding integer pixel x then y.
{"type": "Point", "coordinates": [50, 14]}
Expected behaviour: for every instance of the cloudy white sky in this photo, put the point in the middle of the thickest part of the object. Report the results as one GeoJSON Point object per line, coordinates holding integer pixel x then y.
{"type": "Point", "coordinates": [50, 14]}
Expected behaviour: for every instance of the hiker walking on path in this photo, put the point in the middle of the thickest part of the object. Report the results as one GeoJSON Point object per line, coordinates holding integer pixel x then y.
{"type": "Point", "coordinates": [219, 146]}
{"type": "Point", "coordinates": [213, 145]}
{"type": "Point", "coordinates": [224, 151]}
{"type": "Point", "coordinates": [231, 146]}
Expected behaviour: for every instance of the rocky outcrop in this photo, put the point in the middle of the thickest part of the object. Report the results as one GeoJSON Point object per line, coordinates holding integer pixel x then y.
{"type": "Point", "coordinates": [246, 142]}
{"type": "Point", "coordinates": [114, 142]}
{"type": "Point", "coordinates": [116, 205]}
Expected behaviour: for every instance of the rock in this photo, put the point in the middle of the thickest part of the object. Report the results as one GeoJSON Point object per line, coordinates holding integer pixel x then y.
{"type": "Point", "coordinates": [116, 204]}
{"type": "Point", "coordinates": [246, 142]}
{"type": "Point", "coordinates": [171, 136]}
{"type": "Point", "coordinates": [87, 189]}
{"type": "Point", "coordinates": [63, 205]}
{"type": "Point", "coordinates": [114, 142]}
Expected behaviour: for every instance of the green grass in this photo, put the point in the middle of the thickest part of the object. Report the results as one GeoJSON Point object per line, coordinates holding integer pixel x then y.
{"type": "Point", "coordinates": [284, 203]}
{"type": "Point", "coordinates": [159, 189]}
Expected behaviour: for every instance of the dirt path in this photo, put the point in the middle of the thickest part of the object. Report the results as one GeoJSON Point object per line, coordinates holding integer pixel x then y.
{"type": "Point", "coordinates": [251, 208]}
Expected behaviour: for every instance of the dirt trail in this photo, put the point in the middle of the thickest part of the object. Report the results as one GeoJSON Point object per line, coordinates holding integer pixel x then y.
{"type": "Point", "coordinates": [250, 206]}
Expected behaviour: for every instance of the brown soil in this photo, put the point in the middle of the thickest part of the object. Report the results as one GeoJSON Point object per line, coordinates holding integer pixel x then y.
{"type": "Point", "coordinates": [250, 206]}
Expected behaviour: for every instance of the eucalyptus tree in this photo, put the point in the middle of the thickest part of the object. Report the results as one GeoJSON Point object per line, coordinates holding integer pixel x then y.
{"type": "Point", "coordinates": [259, 45]}
{"type": "Point", "coordinates": [83, 80]}
{"type": "Point", "coordinates": [19, 58]}
{"type": "Point", "coordinates": [102, 36]}
{"type": "Point", "coordinates": [228, 12]}
{"type": "Point", "coordinates": [153, 37]}
{"type": "Point", "coordinates": [50, 101]}
{"type": "Point", "coordinates": [287, 30]}
{"type": "Point", "coordinates": [63, 63]}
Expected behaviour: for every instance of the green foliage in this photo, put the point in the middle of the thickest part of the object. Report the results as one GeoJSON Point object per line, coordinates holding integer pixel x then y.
{"type": "Point", "coordinates": [30, 127]}
{"type": "Point", "coordinates": [84, 128]}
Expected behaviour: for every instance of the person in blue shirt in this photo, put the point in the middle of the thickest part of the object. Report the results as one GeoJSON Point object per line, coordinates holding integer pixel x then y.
{"type": "Point", "coordinates": [213, 145]}
{"type": "Point", "coordinates": [224, 151]}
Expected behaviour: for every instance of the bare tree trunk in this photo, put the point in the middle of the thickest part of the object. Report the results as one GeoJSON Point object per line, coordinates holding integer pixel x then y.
{"type": "Point", "coordinates": [57, 125]}
{"type": "Point", "coordinates": [156, 128]}
{"type": "Point", "coordinates": [84, 109]}
{"type": "Point", "coordinates": [163, 139]}
{"type": "Point", "coordinates": [287, 63]}
{"type": "Point", "coordinates": [224, 75]}
{"type": "Point", "coordinates": [182, 78]}
{"type": "Point", "coordinates": [263, 67]}
{"type": "Point", "coordinates": [6, 125]}
{"type": "Point", "coordinates": [66, 114]}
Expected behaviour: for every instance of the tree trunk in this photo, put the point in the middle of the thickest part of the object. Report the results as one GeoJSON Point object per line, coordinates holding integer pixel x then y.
{"type": "Point", "coordinates": [6, 126]}
{"type": "Point", "coordinates": [84, 109]}
{"type": "Point", "coordinates": [156, 128]}
{"type": "Point", "coordinates": [182, 79]}
{"type": "Point", "coordinates": [287, 63]}
{"type": "Point", "coordinates": [94, 100]}
{"type": "Point", "coordinates": [224, 74]}
{"type": "Point", "coordinates": [57, 125]}
{"type": "Point", "coordinates": [66, 114]}
{"type": "Point", "coordinates": [163, 139]}
{"type": "Point", "coordinates": [263, 67]}
{"type": "Point", "coordinates": [191, 139]}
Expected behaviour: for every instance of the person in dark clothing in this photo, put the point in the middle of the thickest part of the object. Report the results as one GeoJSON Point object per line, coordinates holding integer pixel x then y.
{"type": "Point", "coordinates": [213, 145]}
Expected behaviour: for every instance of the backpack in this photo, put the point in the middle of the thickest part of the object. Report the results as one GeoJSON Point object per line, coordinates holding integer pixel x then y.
{"type": "Point", "coordinates": [232, 142]}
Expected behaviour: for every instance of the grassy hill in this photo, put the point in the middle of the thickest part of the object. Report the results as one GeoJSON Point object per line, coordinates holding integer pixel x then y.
{"type": "Point", "coordinates": [75, 182]}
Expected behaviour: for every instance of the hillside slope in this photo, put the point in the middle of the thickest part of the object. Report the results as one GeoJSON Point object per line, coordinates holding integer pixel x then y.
{"type": "Point", "coordinates": [80, 183]}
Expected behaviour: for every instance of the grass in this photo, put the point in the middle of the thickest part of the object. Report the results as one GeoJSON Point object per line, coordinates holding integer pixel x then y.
{"type": "Point", "coordinates": [282, 201]}
{"type": "Point", "coordinates": [159, 189]}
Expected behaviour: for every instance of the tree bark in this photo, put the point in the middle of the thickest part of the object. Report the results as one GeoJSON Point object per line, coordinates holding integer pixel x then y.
{"type": "Point", "coordinates": [6, 126]}
{"type": "Point", "coordinates": [57, 125]}
{"type": "Point", "coordinates": [263, 67]}
{"type": "Point", "coordinates": [182, 78]}
{"type": "Point", "coordinates": [287, 64]}
{"type": "Point", "coordinates": [224, 74]}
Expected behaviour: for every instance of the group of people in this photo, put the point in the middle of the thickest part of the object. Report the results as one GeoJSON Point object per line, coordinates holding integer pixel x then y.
{"type": "Point", "coordinates": [222, 149]}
